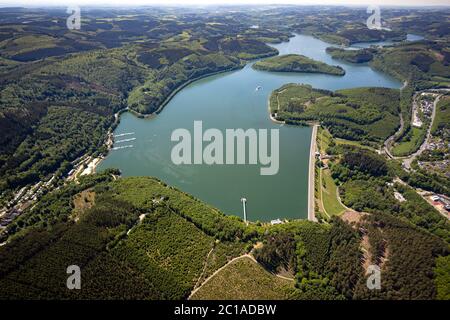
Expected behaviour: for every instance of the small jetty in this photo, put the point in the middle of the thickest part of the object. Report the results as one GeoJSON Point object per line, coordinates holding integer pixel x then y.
{"type": "Point", "coordinates": [125, 140]}
{"type": "Point", "coordinates": [123, 134]}
{"type": "Point", "coordinates": [123, 147]}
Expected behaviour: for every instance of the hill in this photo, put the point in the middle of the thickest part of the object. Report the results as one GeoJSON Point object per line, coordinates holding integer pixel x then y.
{"type": "Point", "coordinates": [297, 63]}
{"type": "Point", "coordinates": [353, 56]}
{"type": "Point", "coordinates": [362, 114]}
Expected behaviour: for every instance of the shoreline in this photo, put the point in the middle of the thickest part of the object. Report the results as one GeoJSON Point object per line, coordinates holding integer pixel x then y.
{"type": "Point", "coordinates": [270, 114]}
{"type": "Point", "coordinates": [311, 174]}
{"type": "Point", "coordinates": [178, 89]}
{"type": "Point", "coordinates": [311, 166]}
{"type": "Point", "coordinates": [311, 206]}
{"type": "Point", "coordinates": [109, 142]}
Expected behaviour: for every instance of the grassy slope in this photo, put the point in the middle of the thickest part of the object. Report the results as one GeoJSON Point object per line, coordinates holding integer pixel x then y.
{"type": "Point", "coordinates": [244, 279]}
{"type": "Point", "coordinates": [410, 143]}
{"type": "Point", "coordinates": [328, 188]}
{"type": "Point", "coordinates": [442, 119]}
{"type": "Point", "coordinates": [329, 194]}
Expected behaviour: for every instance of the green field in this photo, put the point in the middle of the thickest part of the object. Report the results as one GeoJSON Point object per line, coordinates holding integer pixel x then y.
{"type": "Point", "coordinates": [330, 201]}
{"type": "Point", "coordinates": [352, 143]}
{"type": "Point", "coordinates": [442, 119]}
{"type": "Point", "coordinates": [324, 139]}
{"type": "Point", "coordinates": [244, 279]}
{"type": "Point", "coordinates": [410, 143]}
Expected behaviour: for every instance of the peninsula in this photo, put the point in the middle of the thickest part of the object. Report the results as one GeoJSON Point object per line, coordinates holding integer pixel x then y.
{"type": "Point", "coordinates": [297, 63]}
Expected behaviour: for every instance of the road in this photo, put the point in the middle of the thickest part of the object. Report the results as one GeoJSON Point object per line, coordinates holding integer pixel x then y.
{"type": "Point", "coordinates": [389, 141]}
{"type": "Point", "coordinates": [311, 174]}
{"type": "Point", "coordinates": [408, 161]}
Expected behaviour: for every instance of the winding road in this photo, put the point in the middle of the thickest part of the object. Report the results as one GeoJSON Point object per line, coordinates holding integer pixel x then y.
{"type": "Point", "coordinates": [407, 162]}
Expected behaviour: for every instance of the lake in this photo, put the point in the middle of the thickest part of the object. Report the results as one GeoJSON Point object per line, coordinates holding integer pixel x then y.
{"type": "Point", "coordinates": [228, 101]}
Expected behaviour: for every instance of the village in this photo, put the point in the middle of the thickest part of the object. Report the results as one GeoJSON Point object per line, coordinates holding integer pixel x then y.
{"type": "Point", "coordinates": [28, 195]}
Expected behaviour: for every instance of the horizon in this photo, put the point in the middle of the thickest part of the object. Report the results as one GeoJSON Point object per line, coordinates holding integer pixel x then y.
{"type": "Point", "coordinates": [212, 3]}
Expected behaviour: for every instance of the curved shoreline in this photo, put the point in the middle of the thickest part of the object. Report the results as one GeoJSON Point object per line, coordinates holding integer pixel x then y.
{"type": "Point", "coordinates": [272, 118]}
{"type": "Point", "coordinates": [178, 89]}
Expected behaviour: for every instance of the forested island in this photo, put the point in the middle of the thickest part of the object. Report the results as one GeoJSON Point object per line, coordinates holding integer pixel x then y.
{"type": "Point", "coordinates": [297, 63]}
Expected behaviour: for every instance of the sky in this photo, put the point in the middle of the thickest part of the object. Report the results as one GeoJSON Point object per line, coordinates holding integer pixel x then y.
{"type": "Point", "coordinates": [214, 2]}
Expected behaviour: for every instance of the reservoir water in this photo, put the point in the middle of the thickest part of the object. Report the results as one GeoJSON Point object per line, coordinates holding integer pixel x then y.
{"type": "Point", "coordinates": [229, 101]}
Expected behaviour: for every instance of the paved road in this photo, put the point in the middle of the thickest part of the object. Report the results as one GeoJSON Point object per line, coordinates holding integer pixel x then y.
{"type": "Point", "coordinates": [407, 162]}
{"type": "Point", "coordinates": [311, 175]}
{"type": "Point", "coordinates": [389, 141]}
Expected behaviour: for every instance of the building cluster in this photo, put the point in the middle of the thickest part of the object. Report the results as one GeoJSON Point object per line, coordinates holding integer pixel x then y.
{"type": "Point", "coordinates": [22, 199]}
{"type": "Point", "coordinates": [442, 166]}
{"type": "Point", "coordinates": [424, 107]}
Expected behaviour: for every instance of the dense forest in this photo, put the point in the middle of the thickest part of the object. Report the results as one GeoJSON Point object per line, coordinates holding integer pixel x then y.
{"type": "Point", "coordinates": [363, 114]}
{"type": "Point", "coordinates": [297, 63]}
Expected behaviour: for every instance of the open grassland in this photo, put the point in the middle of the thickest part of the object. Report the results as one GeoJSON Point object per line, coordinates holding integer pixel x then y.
{"type": "Point", "coordinates": [329, 194]}
{"type": "Point", "coordinates": [324, 140]}
{"type": "Point", "coordinates": [352, 143]}
{"type": "Point", "coordinates": [410, 143]}
{"type": "Point", "coordinates": [326, 187]}
{"type": "Point", "coordinates": [244, 279]}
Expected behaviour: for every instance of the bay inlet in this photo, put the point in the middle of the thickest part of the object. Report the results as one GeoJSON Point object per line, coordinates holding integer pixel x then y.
{"type": "Point", "coordinates": [237, 99]}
